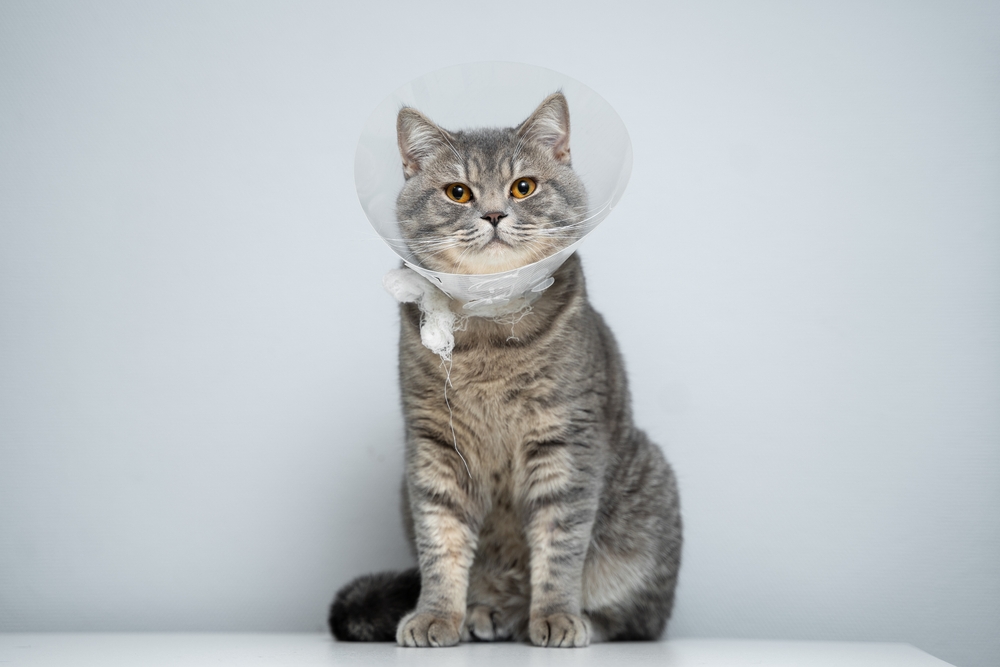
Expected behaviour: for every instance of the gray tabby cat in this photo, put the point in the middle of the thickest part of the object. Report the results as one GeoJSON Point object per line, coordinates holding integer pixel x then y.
{"type": "Point", "coordinates": [561, 524]}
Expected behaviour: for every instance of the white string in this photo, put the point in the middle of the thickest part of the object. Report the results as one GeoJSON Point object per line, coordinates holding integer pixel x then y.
{"type": "Point", "coordinates": [438, 323]}
{"type": "Point", "coordinates": [451, 415]}
{"type": "Point", "coordinates": [437, 327]}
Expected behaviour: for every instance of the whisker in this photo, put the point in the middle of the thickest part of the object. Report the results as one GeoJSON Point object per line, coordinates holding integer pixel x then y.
{"type": "Point", "coordinates": [452, 147]}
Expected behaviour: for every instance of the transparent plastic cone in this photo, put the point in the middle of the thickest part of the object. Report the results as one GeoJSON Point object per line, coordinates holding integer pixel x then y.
{"type": "Point", "coordinates": [492, 94]}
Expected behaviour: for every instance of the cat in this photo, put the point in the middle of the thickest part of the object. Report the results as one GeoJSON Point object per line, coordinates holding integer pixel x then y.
{"type": "Point", "coordinates": [545, 515]}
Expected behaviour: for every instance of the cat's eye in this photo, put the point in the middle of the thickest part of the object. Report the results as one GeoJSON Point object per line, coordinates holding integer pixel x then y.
{"type": "Point", "coordinates": [522, 188]}
{"type": "Point", "coordinates": [458, 192]}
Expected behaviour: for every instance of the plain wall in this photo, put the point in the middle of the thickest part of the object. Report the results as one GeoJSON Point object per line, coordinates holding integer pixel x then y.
{"type": "Point", "coordinates": [199, 420]}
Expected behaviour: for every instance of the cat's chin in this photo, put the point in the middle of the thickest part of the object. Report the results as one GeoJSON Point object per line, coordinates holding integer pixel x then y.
{"type": "Point", "coordinates": [494, 258]}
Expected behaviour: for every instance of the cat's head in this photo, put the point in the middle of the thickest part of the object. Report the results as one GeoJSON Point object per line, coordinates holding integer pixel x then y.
{"type": "Point", "coordinates": [489, 200]}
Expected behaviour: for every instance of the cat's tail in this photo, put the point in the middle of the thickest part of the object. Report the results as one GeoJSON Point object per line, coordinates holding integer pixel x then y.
{"type": "Point", "coordinates": [369, 608]}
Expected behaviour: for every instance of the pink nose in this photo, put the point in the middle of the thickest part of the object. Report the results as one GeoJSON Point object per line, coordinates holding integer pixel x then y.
{"type": "Point", "coordinates": [494, 217]}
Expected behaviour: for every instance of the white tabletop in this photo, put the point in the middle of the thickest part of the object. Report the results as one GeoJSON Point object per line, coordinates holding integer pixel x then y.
{"type": "Point", "coordinates": [263, 649]}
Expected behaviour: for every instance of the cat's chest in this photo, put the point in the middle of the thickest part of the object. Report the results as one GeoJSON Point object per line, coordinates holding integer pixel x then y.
{"type": "Point", "coordinates": [505, 401]}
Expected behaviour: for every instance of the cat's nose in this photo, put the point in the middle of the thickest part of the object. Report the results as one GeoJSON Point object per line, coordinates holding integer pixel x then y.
{"type": "Point", "coordinates": [494, 217]}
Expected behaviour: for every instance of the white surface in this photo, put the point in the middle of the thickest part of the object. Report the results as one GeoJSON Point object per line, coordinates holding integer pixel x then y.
{"type": "Point", "coordinates": [805, 284]}
{"type": "Point", "coordinates": [302, 650]}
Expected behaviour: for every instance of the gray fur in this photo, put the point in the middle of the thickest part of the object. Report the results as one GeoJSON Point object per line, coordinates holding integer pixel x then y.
{"type": "Point", "coordinates": [569, 529]}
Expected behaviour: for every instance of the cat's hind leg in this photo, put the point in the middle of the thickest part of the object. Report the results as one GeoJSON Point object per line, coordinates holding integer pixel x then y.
{"type": "Point", "coordinates": [635, 551]}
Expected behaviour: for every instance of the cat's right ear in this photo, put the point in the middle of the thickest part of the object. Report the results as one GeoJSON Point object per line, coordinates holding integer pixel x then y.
{"type": "Point", "coordinates": [419, 138]}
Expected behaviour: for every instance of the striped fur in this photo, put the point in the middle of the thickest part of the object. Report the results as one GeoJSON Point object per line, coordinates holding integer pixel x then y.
{"type": "Point", "coordinates": [568, 529]}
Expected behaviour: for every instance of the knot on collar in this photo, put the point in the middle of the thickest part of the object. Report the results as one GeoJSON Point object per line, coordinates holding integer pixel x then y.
{"type": "Point", "coordinates": [438, 321]}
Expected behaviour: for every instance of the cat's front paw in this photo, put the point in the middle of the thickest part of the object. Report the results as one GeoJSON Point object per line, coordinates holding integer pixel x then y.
{"type": "Point", "coordinates": [426, 628]}
{"type": "Point", "coordinates": [559, 630]}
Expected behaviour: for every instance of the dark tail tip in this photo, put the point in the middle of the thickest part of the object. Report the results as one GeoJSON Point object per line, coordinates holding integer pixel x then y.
{"type": "Point", "coordinates": [369, 608]}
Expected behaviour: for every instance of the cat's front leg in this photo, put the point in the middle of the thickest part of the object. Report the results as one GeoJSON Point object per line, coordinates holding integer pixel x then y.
{"type": "Point", "coordinates": [562, 496]}
{"type": "Point", "coordinates": [446, 523]}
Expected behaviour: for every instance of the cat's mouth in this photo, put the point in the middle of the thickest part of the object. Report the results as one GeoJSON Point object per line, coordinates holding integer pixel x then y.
{"type": "Point", "coordinates": [493, 255]}
{"type": "Point", "coordinates": [497, 241]}
{"type": "Point", "coordinates": [495, 251]}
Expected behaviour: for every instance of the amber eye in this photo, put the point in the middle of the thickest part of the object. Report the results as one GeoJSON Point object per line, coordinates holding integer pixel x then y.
{"type": "Point", "coordinates": [522, 188]}
{"type": "Point", "coordinates": [459, 192]}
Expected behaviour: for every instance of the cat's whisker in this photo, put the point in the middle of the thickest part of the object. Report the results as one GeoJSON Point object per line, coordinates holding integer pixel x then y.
{"type": "Point", "coordinates": [436, 244]}
{"type": "Point", "coordinates": [517, 152]}
{"type": "Point", "coordinates": [452, 147]}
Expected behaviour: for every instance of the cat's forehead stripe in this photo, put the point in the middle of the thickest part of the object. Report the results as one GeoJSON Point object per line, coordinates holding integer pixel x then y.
{"type": "Point", "coordinates": [506, 170]}
{"type": "Point", "coordinates": [475, 168]}
{"type": "Point", "coordinates": [517, 166]}
{"type": "Point", "coordinates": [454, 171]}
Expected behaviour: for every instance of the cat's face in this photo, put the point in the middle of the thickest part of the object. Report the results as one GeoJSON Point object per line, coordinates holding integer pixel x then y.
{"type": "Point", "coordinates": [489, 200]}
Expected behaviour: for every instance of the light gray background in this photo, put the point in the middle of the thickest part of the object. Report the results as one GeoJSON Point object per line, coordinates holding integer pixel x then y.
{"type": "Point", "coordinates": [199, 425]}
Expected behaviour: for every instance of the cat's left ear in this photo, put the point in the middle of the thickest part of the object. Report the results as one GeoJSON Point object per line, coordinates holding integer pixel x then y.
{"type": "Point", "coordinates": [549, 126]}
